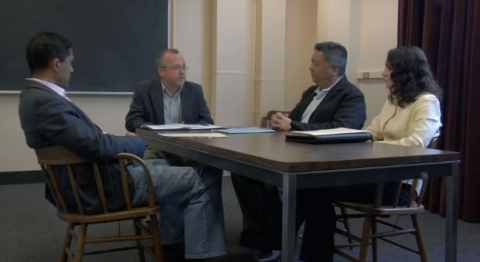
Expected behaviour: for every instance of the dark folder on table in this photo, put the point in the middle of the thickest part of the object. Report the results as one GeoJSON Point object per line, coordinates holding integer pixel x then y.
{"type": "Point", "coordinates": [329, 136]}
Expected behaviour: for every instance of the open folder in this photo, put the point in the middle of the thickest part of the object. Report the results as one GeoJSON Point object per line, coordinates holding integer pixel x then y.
{"type": "Point", "coordinates": [327, 136]}
{"type": "Point", "coordinates": [246, 130]}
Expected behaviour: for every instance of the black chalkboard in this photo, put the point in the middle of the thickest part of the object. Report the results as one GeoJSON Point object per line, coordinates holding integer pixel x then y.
{"type": "Point", "coordinates": [115, 42]}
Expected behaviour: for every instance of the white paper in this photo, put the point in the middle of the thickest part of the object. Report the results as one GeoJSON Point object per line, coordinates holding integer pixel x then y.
{"type": "Point", "coordinates": [194, 135]}
{"type": "Point", "coordinates": [182, 127]}
{"type": "Point", "coordinates": [333, 131]}
{"type": "Point", "coordinates": [164, 127]}
{"type": "Point", "coordinates": [200, 127]}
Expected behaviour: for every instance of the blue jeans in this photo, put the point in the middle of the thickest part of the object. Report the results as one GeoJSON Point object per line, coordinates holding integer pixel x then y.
{"type": "Point", "coordinates": [197, 194]}
{"type": "Point", "coordinates": [171, 218]}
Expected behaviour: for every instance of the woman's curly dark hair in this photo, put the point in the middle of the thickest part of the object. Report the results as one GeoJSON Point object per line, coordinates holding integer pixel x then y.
{"type": "Point", "coordinates": [411, 75]}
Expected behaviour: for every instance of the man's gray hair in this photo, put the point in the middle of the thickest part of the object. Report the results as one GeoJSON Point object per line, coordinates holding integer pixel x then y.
{"type": "Point", "coordinates": [335, 54]}
{"type": "Point", "coordinates": [160, 60]}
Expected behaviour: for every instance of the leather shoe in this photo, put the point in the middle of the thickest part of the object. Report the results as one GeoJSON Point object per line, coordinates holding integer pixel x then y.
{"type": "Point", "coordinates": [269, 256]}
{"type": "Point", "coordinates": [174, 252]}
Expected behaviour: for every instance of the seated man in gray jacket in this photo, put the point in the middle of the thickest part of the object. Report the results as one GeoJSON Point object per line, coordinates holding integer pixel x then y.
{"type": "Point", "coordinates": [48, 118]}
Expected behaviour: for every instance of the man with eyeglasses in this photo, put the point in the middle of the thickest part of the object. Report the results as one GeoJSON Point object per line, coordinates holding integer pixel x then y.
{"type": "Point", "coordinates": [170, 99]}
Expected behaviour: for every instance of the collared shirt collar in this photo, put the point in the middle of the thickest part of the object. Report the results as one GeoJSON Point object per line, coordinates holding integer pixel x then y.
{"type": "Point", "coordinates": [320, 94]}
{"type": "Point", "coordinates": [55, 88]}
{"type": "Point", "coordinates": [318, 90]}
{"type": "Point", "coordinates": [164, 88]}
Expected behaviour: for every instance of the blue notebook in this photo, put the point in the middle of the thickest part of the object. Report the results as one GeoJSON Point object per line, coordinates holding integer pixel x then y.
{"type": "Point", "coordinates": [245, 130]}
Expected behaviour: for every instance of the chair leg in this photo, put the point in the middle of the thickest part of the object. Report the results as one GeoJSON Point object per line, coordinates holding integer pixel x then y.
{"type": "Point", "coordinates": [138, 232]}
{"type": "Point", "coordinates": [365, 238]}
{"type": "Point", "coordinates": [67, 242]}
{"type": "Point", "coordinates": [80, 243]}
{"type": "Point", "coordinates": [157, 243]}
{"type": "Point", "coordinates": [419, 237]}
{"type": "Point", "coordinates": [374, 239]}
{"type": "Point", "coordinates": [343, 210]}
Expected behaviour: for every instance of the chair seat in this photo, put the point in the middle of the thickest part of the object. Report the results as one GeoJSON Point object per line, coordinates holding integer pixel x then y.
{"type": "Point", "coordinates": [113, 216]}
{"type": "Point", "coordinates": [383, 210]}
{"type": "Point", "coordinates": [374, 214]}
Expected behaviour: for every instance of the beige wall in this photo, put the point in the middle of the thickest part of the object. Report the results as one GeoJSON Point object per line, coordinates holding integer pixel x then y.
{"type": "Point", "coordinates": [367, 28]}
{"type": "Point", "coordinates": [14, 153]}
{"type": "Point", "coordinates": [219, 39]}
{"type": "Point", "coordinates": [301, 37]}
{"type": "Point", "coordinates": [269, 84]}
{"type": "Point", "coordinates": [191, 33]}
{"type": "Point", "coordinates": [378, 35]}
{"type": "Point", "coordinates": [232, 46]}
{"type": "Point", "coordinates": [108, 112]}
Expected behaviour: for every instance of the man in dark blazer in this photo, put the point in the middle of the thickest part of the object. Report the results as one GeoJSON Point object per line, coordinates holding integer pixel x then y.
{"type": "Point", "coordinates": [148, 105]}
{"type": "Point", "coordinates": [332, 102]}
{"type": "Point", "coordinates": [48, 118]}
{"type": "Point", "coordinates": [169, 99]}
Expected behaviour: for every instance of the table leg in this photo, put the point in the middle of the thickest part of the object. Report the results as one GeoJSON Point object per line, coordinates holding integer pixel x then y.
{"type": "Point", "coordinates": [289, 211]}
{"type": "Point", "coordinates": [451, 216]}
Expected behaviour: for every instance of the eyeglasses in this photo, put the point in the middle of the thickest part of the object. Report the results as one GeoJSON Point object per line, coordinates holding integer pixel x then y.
{"type": "Point", "coordinates": [177, 68]}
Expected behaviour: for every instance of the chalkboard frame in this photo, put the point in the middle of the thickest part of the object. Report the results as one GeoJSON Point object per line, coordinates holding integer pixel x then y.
{"type": "Point", "coordinates": [99, 60]}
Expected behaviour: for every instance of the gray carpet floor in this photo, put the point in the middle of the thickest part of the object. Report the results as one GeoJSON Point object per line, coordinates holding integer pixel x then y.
{"type": "Point", "coordinates": [31, 231]}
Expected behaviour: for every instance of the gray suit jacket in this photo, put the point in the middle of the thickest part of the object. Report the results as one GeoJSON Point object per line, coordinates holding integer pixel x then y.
{"type": "Point", "coordinates": [147, 105]}
{"type": "Point", "coordinates": [343, 106]}
{"type": "Point", "coordinates": [48, 119]}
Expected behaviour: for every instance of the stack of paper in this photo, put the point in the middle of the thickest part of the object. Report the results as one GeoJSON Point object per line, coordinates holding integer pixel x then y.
{"type": "Point", "coordinates": [335, 135]}
{"type": "Point", "coordinates": [194, 135]}
{"type": "Point", "coordinates": [326, 132]}
{"type": "Point", "coordinates": [182, 127]}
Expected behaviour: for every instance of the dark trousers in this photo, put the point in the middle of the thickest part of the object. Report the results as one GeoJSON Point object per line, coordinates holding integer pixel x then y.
{"type": "Point", "coordinates": [314, 207]}
{"type": "Point", "coordinates": [262, 213]}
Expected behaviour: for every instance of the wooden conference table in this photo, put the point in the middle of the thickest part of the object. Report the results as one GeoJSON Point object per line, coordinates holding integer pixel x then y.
{"type": "Point", "coordinates": [269, 158]}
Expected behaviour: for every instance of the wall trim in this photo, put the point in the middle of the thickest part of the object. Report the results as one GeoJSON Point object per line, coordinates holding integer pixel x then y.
{"type": "Point", "coordinates": [226, 72]}
{"type": "Point", "coordinates": [21, 177]}
{"type": "Point", "coordinates": [266, 79]}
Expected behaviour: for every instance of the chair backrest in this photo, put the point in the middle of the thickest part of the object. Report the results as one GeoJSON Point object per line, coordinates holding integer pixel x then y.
{"type": "Point", "coordinates": [58, 162]}
{"type": "Point", "coordinates": [412, 200]}
{"type": "Point", "coordinates": [433, 143]}
{"type": "Point", "coordinates": [265, 121]}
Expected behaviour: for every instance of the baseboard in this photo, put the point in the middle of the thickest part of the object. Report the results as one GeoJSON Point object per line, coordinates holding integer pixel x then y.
{"type": "Point", "coordinates": [21, 177]}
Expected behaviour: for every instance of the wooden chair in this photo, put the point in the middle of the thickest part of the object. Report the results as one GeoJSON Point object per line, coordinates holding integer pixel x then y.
{"type": "Point", "coordinates": [49, 160]}
{"type": "Point", "coordinates": [265, 121]}
{"type": "Point", "coordinates": [376, 213]}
